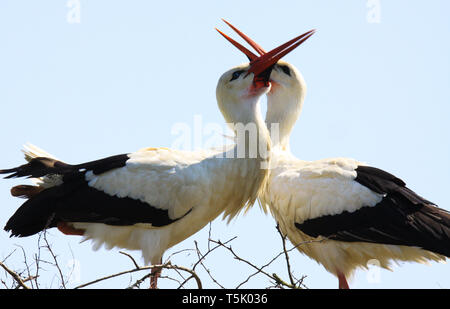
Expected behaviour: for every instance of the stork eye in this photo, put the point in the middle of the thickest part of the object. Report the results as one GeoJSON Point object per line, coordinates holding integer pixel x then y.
{"type": "Point", "coordinates": [236, 75]}
{"type": "Point", "coordinates": [286, 69]}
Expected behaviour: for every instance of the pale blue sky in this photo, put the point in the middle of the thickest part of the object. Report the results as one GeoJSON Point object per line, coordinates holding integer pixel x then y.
{"type": "Point", "coordinates": [121, 78]}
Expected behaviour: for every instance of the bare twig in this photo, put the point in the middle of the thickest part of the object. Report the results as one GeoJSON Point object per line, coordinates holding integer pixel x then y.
{"type": "Point", "coordinates": [26, 264]}
{"type": "Point", "coordinates": [37, 258]}
{"type": "Point", "coordinates": [182, 274]}
{"type": "Point", "coordinates": [151, 267]}
{"type": "Point", "coordinates": [132, 259]}
{"type": "Point", "coordinates": [177, 252]}
{"type": "Point", "coordinates": [237, 257]}
{"type": "Point", "coordinates": [286, 255]}
{"type": "Point", "coordinates": [47, 245]}
{"type": "Point", "coordinates": [201, 257]}
{"type": "Point", "coordinates": [6, 257]}
{"type": "Point", "coordinates": [200, 260]}
{"type": "Point", "coordinates": [15, 276]}
{"type": "Point", "coordinates": [211, 250]}
{"type": "Point", "coordinates": [294, 284]}
{"type": "Point", "coordinates": [139, 282]}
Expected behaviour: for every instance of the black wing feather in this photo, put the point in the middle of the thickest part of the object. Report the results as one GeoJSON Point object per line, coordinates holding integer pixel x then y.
{"type": "Point", "coordinates": [75, 201]}
{"type": "Point", "coordinates": [401, 218]}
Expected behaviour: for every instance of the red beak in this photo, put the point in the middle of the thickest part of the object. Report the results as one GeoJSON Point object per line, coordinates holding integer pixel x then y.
{"type": "Point", "coordinates": [252, 43]}
{"type": "Point", "coordinates": [251, 56]}
{"type": "Point", "coordinates": [262, 66]}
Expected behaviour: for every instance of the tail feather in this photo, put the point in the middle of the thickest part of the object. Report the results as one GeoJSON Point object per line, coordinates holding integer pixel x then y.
{"type": "Point", "coordinates": [36, 168]}
{"type": "Point", "coordinates": [31, 152]}
{"type": "Point", "coordinates": [37, 213]}
{"type": "Point", "coordinates": [65, 196]}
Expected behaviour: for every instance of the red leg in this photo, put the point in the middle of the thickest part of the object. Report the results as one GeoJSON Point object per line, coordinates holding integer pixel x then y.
{"type": "Point", "coordinates": [342, 281]}
{"type": "Point", "coordinates": [156, 273]}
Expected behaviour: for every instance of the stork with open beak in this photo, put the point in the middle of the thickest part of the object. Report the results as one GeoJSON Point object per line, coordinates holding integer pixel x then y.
{"type": "Point", "coordinates": [154, 198]}
{"type": "Point", "coordinates": [342, 212]}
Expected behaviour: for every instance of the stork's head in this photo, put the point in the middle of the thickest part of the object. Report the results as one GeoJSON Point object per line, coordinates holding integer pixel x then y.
{"type": "Point", "coordinates": [238, 92]}
{"type": "Point", "coordinates": [285, 100]}
{"type": "Point", "coordinates": [288, 88]}
{"type": "Point", "coordinates": [286, 80]}
{"type": "Point", "coordinates": [240, 88]}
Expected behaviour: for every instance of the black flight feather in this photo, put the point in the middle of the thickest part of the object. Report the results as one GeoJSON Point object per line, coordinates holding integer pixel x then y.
{"type": "Point", "coordinates": [401, 218]}
{"type": "Point", "coordinates": [75, 201]}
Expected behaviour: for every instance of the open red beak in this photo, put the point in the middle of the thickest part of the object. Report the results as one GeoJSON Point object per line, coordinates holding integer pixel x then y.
{"type": "Point", "coordinates": [261, 66]}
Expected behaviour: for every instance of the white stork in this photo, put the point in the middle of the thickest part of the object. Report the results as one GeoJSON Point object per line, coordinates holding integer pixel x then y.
{"type": "Point", "coordinates": [341, 212]}
{"type": "Point", "coordinates": [154, 198]}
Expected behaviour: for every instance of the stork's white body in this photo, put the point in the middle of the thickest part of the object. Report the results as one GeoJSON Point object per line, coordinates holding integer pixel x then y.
{"type": "Point", "coordinates": [301, 190]}
{"type": "Point", "coordinates": [177, 181]}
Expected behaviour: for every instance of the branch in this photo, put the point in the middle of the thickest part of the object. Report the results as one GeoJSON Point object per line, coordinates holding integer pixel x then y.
{"type": "Point", "coordinates": [151, 267]}
{"type": "Point", "coordinates": [288, 264]}
{"type": "Point", "coordinates": [201, 257]}
{"type": "Point", "coordinates": [237, 257]}
{"type": "Point", "coordinates": [47, 245]}
{"type": "Point", "coordinates": [15, 276]}
{"type": "Point", "coordinates": [132, 259]}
